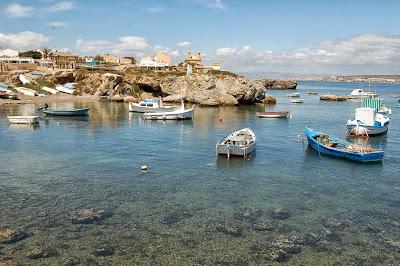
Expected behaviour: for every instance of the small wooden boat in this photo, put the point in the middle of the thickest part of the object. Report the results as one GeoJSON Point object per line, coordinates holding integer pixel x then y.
{"type": "Point", "coordinates": [23, 119]}
{"type": "Point", "coordinates": [240, 143]}
{"type": "Point", "coordinates": [26, 91]}
{"type": "Point", "coordinates": [24, 80]}
{"type": "Point", "coordinates": [297, 101]}
{"type": "Point", "coordinates": [326, 144]}
{"type": "Point", "coordinates": [279, 114]}
{"type": "Point", "coordinates": [178, 114]}
{"type": "Point", "coordinates": [312, 92]}
{"type": "Point", "coordinates": [294, 95]}
{"type": "Point", "coordinates": [64, 89]}
{"type": "Point", "coordinates": [67, 111]}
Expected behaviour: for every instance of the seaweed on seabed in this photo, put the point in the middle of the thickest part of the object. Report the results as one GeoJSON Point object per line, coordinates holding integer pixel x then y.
{"type": "Point", "coordinates": [176, 216]}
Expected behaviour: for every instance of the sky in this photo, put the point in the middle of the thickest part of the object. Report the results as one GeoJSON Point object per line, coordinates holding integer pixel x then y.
{"type": "Point", "coordinates": [267, 36]}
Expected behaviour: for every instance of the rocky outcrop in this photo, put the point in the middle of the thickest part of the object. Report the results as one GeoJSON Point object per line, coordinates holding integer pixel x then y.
{"type": "Point", "coordinates": [89, 216]}
{"type": "Point", "coordinates": [273, 84]}
{"type": "Point", "coordinates": [332, 98]}
{"type": "Point", "coordinates": [9, 236]}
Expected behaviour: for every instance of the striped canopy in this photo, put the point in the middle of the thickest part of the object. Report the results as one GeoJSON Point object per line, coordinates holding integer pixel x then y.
{"type": "Point", "coordinates": [374, 103]}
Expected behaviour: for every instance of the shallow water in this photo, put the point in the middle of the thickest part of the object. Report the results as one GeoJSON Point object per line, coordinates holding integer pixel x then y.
{"type": "Point", "coordinates": [67, 164]}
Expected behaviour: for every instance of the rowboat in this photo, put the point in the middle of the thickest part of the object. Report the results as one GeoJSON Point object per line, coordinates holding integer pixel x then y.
{"type": "Point", "coordinates": [312, 92]}
{"type": "Point", "coordinates": [67, 112]}
{"type": "Point", "coordinates": [64, 89]}
{"type": "Point", "coordinates": [293, 95]}
{"type": "Point", "coordinates": [151, 106]}
{"type": "Point", "coordinates": [52, 91]}
{"type": "Point", "coordinates": [239, 143]}
{"type": "Point", "coordinates": [279, 114]}
{"type": "Point", "coordinates": [26, 91]}
{"type": "Point", "coordinates": [24, 80]}
{"type": "Point", "coordinates": [177, 114]}
{"type": "Point", "coordinates": [23, 119]}
{"type": "Point", "coordinates": [328, 145]}
{"type": "Point", "coordinates": [297, 101]}
{"type": "Point", "coordinates": [368, 118]}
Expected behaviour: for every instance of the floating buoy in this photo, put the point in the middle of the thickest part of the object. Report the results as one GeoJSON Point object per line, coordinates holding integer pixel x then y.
{"type": "Point", "coordinates": [144, 168]}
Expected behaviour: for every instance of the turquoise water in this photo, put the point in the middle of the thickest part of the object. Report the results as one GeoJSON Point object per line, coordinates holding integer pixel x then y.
{"type": "Point", "coordinates": [339, 211]}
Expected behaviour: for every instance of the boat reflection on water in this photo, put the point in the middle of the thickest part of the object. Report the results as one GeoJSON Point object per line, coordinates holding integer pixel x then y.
{"type": "Point", "coordinates": [25, 126]}
{"type": "Point", "coordinates": [48, 119]}
{"type": "Point", "coordinates": [234, 161]}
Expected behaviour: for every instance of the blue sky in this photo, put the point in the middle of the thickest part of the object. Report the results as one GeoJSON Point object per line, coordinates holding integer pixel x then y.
{"type": "Point", "coordinates": [248, 36]}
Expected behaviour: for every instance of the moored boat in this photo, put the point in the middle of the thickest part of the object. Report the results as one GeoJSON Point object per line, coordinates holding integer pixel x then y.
{"type": "Point", "coordinates": [52, 91]}
{"type": "Point", "coordinates": [151, 106]}
{"type": "Point", "coordinates": [24, 80]}
{"type": "Point", "coordinates": [297, 101]}
{"type": "Point", "coordinates": [239, 143]}
{"type": "Point", "coordinates": [294, 95]}
{"type": "Point", "coordinates": [278, 114]}
{"type": "Point", "coordinates": [26, 91]}
{"type": "Point", "coordinates": [312, 92]}
{"type": "Point", "coordinates": [64, 89]}
{"type": "Point", "coordinates": [176, 114]}
{"type": "Point", "coordinates": [23, 119]}
{"type": "Point", "coordinates": [360, 94]}
{"type": "Point", "coordinates": [368, 118]}
{"type": "Point", "coordinates": [67, 111]}
{"type": "Point", "coordinates": [329, 145]}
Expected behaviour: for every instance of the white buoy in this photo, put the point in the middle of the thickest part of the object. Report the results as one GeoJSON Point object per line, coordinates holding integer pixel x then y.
{"type": "Point", "coordinates": [144, 168]}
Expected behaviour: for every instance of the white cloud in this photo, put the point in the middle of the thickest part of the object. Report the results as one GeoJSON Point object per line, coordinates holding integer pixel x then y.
{"type": "Point", "coordinates": [57, 24]}
{"type": "Point", "coordinates": [184, 44]}
{"type": "Point", "coordinates": [62, 6]}
{"type": "Point", "coordinates": [23, 40]}
{"type": "Point", "coordinates": [124, 46]}
{"type": "Point", "coordinates": [175, 53]}
{"type": "Point", "coordinates": [366, 53]}
{"type": "Point", "coordinates": [18, 11]}
{"type": "Point", "coordinates": [165, 50]}
{"type": "Point", "coordinates": [214, 4]}
{"type": "Point", "coordinates": [225, 51]}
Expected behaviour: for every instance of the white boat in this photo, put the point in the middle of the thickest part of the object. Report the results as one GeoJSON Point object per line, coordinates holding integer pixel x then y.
{"type": "Point", "coordinates": [23, 119]}
{"type": "Point", "coordinates": [64, 89]}
{"type": "Point", "coordinates": [52, 91]}
{"type": "Point", "coordinates": [70, 85]}
{"type": "Point", "coordinates": [177, 114]}
{"type": "Point", "coordinates": [26, 91]}
{"type": "Point", "coordinates": [150, 106]}
{"type": "Point", "coordinates": [360, 94]}
{"type": "Point", "coordinates": [368, 118]}
{"type": "Point", "coordinates": [278, 114]}
{"type": "Point", "coordinates": [294, 95]}
{"type": "Point", "coordinates": [239, 143]}
{"type": "Point", "coordinates": [24, 80]}
{"type": "Point", "coordinates": [297, 101]}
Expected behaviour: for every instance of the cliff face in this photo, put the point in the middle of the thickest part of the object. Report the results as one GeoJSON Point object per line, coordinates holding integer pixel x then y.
{"type": "Point", "coordinates": [273, 84]}
{"type": "Point", "coordinates": [202, 89]}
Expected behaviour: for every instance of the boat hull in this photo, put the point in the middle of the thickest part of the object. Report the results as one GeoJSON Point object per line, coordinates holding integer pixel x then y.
{"type": "Point", "coordinates": [173, 115]}
{"type": "Point", "coordinates": [63, 89]}
{"type": "Point", "coordinates": [144, 109]}
{"type": "Point", "coordinates": [67, 112]}
{"type": "Point", "coordinates": [231, 150]}
{"type": "Point", "coordinates": [354, 156]}
{"type": "Point", "coordinates": [34, 119]}
{"type": "Point", "coordinates": [297, 101]}
{"type": "Point", "coordinates": [239, 143]}
{"type": "Point", "coordinates": [371, 130]}
{"type": "Point", "coordinates": [272, 114]}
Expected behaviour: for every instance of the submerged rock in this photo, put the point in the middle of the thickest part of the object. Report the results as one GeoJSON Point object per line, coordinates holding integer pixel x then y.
{"type": "Point", "coordinates": [8, 236]}
{"type": "Point", "coordinates": [104, 251]}
{"type": "Point", "coordinates": [176, 216]}
{"type": "Point", "coordinates": [89, 216]}
{"type": "Point", "coordinates": [229, 229]}
{"type": "Point", "coordinates": [333, 223]}
{"type": "Point", "coordinates": [40, 252]}
{"type": "Point", "coordinates": [248, 214]}
{"type": "Point", "coordinates": [264, 226]}
{"type": "Point", "coordinates": [280, 249]}
{"type": "Point", "coordinates": [280, 214]}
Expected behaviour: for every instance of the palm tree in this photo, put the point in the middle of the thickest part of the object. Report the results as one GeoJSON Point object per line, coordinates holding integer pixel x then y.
{"type": "Point", "coordinates": [46, 52]}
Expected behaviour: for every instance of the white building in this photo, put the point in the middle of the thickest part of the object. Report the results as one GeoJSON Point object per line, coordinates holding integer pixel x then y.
{"type": "Point", "coordinates": [8, 53]}
{"type": "Point", "coordinates": [147, 62]}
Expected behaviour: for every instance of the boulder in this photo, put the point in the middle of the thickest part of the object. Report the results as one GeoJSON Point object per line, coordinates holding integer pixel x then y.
{"type": "Point", "coordinates": [229, 229]}
{"type": "Point", "coordinates": [89, 216]}
{"type": "Point", "coordinates": [40, 252]}
{"type": "Point", "coordinates": [9, 236]}
{"type": "Point", "coordinates": [273, 84]}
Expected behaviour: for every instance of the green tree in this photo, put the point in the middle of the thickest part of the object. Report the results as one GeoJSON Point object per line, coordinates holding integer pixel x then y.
{"type": "Point", "coordinates": [46, 52]}
{"type": "Point", "coordinates": [32, 54]}
{"type": "Point", "coordinates": [99, 58]}
{"type": "Point", "coordinates": [133, 59]}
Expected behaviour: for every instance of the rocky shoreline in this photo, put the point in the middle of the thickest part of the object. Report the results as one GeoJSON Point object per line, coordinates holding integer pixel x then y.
{"type": "Point", "coordinates": [211, 89]}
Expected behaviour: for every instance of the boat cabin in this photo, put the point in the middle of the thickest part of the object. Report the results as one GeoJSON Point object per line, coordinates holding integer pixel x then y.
{"type": "Point", "coordinates": [150, 103]}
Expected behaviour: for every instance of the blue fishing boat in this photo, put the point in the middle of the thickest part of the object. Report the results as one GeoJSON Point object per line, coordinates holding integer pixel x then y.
{"type": "Point", "coordinates": [67, 112]}
{"type": "Point", "coordinates": [326, 144]}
